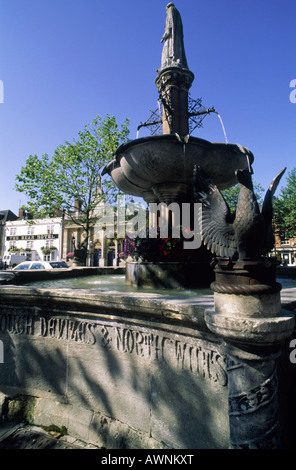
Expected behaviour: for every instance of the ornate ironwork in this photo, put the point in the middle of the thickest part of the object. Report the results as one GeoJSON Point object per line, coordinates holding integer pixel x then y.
{"type": "Point", "coordinates": [196, 113]}
{"type": "Point", "coordinates": [154, 122]}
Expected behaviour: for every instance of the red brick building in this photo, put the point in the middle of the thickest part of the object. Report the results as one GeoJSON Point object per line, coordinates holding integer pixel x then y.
{"type": "Point", "coordinates": [285, 250]}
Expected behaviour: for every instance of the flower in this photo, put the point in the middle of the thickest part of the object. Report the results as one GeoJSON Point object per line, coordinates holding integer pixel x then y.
{"type": "Point", "coordinates": [153, 249]}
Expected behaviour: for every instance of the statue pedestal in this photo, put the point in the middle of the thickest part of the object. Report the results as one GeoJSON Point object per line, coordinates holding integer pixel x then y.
{"type": "Point", "coordinates": [248, 316]}
{"type": "Point", "coordinates": [173, 84]}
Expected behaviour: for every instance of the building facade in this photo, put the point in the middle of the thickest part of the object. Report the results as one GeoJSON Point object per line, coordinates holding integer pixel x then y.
{"type": "Point", "coordinates": [5, 216]}
{"type": "Point", "coordinates": [53, 239]}
{"type": "Point", "coordinates": [39, 239]}
{"type": "Point", "coordinates": [285, 251]}
{"type": "Point", "coordinates": [102, 251]}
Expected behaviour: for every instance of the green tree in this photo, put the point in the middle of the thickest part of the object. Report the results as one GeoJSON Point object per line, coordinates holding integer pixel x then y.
{"type": "Point", "coordinates": [74, 174]}
{"type": "Point", "coordinates": [285, 208]}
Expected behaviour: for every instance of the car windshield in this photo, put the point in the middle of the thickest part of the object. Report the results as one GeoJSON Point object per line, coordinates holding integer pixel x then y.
{"type": "Point", "coordinates": [22, 266]}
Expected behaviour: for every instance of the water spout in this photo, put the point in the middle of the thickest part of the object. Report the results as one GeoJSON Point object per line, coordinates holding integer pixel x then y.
{"type": "Point", "coordinates": [152, 121]}
{"type": "Point", "coordinates": [223, 128]}
{"type": "Point", "coordinates": [183, 140]}
{"type": "Point", "coordinates": [159, 108]}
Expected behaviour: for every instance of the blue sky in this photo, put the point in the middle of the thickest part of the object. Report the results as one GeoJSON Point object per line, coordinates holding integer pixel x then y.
{"type": "Point", "coordinates": [62, 62]}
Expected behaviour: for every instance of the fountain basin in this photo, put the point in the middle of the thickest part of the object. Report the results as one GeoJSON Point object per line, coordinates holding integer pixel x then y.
{"type": "Point", "coordinates": [150, 166]}
{"type": "Point", "coordinates": [32, 275]}
{"type": "Point", "coordinates": [169, 275]}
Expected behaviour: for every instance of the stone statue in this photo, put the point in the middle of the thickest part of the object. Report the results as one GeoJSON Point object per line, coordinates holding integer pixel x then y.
{"type": "Point", "coordinates": [173, 53]}
{"type": "Point", "coordinates": [247, 233]}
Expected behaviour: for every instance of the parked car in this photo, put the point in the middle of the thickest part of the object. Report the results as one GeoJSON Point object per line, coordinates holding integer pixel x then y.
{"type": "Point", "coordinates": [40, 265]}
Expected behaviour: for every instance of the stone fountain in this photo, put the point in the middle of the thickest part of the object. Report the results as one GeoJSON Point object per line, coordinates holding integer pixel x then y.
{"type": "Point", "coordinates": [159, 168]}
{"type": "Point", "coordinates": [247, 313]}
{"type": "Point", "coordinates": [145, 370]}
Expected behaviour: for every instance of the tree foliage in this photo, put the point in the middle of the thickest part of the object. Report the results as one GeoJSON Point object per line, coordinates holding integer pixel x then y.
{"type": "Point", "coordinates": [74, 173]}
{"type": "Point", "coordinates": [285, 208]}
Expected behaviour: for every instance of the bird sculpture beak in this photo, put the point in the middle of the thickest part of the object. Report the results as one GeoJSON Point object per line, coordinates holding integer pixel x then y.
{"type": "Point", "coordinates": [249, 165]}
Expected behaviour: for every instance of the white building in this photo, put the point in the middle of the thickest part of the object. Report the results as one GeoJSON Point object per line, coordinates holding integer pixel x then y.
{"type": "Point", "coordinates": [38, 239]}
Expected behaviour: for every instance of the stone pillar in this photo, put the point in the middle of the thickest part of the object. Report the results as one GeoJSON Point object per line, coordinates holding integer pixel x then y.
{"type": "Point", "coordinates": [104, 250]}
{"type": "Point", "coordinates": [115, 261]}
{"type": "Point", "coordinates": [247, 315]}
{"type": "Point", "coordinates": [173, 84]}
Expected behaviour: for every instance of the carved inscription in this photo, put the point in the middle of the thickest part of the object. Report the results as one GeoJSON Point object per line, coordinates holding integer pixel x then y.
{"type": "Point", "coordinates": [196, 357]}
{"type": "Point", "coordinates": [17, 324]}
{"type": "Point", "coordinates": [186, 353]}
{"type": "Point", "coordinates": [63, 328]}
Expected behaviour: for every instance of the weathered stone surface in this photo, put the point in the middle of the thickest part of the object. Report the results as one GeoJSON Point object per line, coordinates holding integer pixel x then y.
{"type": "Point", "coordinates": [252, 305]}
{"type": "Point", "coordinates": [264, 331]}
{"type": "Point", "coordinates": [49, 411]}
{"type": "Point", "coordinates": [131, 371]}
{"type": "Point", "coordinates": [145, 364]}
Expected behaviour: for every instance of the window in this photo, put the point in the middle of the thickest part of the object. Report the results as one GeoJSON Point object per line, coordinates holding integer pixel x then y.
{"type": "Point", "coordinates": [49, 243]}
{"type": "Point", "coordinates": [29, 244]}
{"type": "Point", "coordinates": [31, 230]}
{"type": "Point", "coordinates": [12, 231]}
{"type": "Point", "coordinates": [37, 266]}
{"type": "Point", "coordinates": [285, 241]}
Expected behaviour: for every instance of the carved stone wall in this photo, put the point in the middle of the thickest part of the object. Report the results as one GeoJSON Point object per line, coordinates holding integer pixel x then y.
{"type": "Point", "coordinates": [155, 381]}
{"type": "Point", "coordinates": [142, 371]}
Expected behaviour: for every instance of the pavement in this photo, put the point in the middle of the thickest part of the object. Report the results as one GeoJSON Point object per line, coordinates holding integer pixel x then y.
{"type": "Point", "coordinates": [21, 436]}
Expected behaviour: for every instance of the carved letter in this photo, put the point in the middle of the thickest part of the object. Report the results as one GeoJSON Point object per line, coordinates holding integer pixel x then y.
{"type": "Point", "coordinates": [43, 326]}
